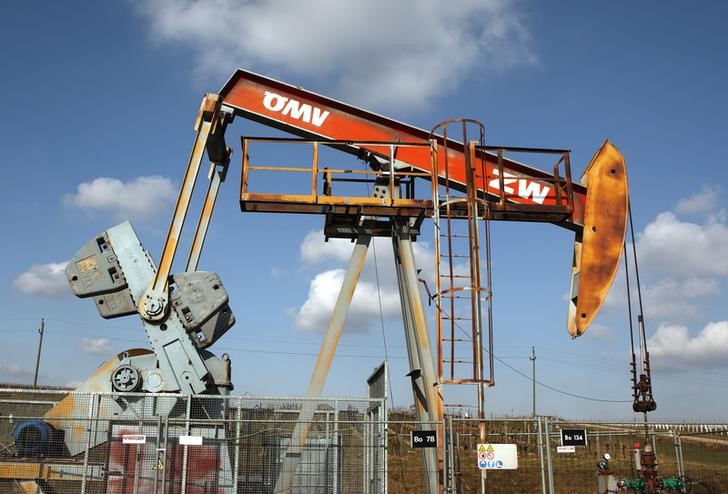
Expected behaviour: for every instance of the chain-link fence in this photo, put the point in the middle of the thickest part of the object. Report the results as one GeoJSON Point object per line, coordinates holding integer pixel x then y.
{"type": "Point", "coordinates": [53, 441]}
{"type": "Point", "coordinates": [702, 457]}
{"type": "Point", "coordinates": [691, 458]}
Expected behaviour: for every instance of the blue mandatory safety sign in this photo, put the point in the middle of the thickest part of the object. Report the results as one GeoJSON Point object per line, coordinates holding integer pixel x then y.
{"type": "Point", "coordinates": [490, 464]}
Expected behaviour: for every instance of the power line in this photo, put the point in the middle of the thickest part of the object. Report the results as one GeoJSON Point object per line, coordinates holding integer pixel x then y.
{"type": "Point", "coordinates": [561, 391]}
{"type": "Point", "coordinates": [386, 356]}
{"type": "Point", "coordinates": [552, 388]}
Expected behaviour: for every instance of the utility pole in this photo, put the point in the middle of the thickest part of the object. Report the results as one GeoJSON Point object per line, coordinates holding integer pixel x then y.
{"type": "Point", "coordinates": [532, 358]}
{"type": "Point", "coordinates": [40, 345]}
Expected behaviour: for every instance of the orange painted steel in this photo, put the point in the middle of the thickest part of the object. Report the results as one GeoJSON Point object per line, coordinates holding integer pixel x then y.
{"type": "Point", "coordinates": [325, 201]}
{"type": "Point", "coordinates": [290, 108]}
{"type": "Point", "coordinates": [598, 250]}
{"type": "Point", "coordinates": [515, 191]}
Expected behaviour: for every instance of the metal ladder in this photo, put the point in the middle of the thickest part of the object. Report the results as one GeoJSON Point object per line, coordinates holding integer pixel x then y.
{"type": "Point", "coordinates": [462, 286]}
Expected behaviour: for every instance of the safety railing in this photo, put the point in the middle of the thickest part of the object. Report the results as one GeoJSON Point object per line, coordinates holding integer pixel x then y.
{"type": "Point", "coordinates": [522, 197]}
{"type": "Point", "coordinates": [385, 186]}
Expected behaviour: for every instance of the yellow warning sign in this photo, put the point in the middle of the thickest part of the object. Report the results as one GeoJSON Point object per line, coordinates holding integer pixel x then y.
{"type": "Point", "coordinates": [481, 448]}
{"type": "Point", "coordinates": [159, 465]}
{"type": "Point", "coordinates": [490, 448]}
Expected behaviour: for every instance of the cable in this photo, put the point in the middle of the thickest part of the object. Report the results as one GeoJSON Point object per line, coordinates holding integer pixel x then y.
{"type": "Point", "coordinates": [381, 319]}
{"type": "Point", "coordinates": [556, 389]}
{"type": "Point", "coordinates": [304, 354]}
{"type": "Point", "coordinates": [379, 300]}
{"type": "Point", "coordinates": [552, 388]}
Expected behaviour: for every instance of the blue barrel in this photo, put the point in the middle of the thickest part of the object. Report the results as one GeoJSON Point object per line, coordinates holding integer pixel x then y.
{"type": "Point", "coordinates": [33, 437]}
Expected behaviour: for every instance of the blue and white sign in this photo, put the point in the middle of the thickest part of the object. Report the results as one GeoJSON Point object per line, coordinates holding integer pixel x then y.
{"type": "Point", "coordinates": [497, 456]}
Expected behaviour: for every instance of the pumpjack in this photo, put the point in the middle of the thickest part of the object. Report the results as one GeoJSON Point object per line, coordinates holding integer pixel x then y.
{"type": "Point", "coordinates": [469, 184]}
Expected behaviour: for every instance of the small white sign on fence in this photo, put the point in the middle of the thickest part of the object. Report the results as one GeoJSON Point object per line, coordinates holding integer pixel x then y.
{"type": "Point", "coordinates": [190, 440]}
{"type": "Point", "coordinates": [133, 439]}
{"type": "Point", "coordinates": [566, 449]}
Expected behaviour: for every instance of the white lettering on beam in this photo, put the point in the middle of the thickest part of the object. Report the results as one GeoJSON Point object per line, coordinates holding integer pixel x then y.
{"type": "Point", "coordinates": [294, 108]}
{"type": "Point", "coordinates": [527, 189]}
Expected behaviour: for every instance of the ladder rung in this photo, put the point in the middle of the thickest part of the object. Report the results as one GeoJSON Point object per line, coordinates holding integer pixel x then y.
{"type": "Point", "coordinates": [448, 255]}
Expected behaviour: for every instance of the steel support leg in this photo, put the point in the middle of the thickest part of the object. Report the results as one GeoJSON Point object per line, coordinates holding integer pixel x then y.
{"type": "Point", "coordinates": [427, 399]}
{"type": "Point", "coordinates": [216, 178]}
{"type": "Point", "coordinates": [323, 363]}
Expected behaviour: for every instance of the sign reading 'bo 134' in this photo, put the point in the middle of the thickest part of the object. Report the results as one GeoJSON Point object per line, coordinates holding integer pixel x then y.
{"type": "Point", "coordinates": [573, 437]}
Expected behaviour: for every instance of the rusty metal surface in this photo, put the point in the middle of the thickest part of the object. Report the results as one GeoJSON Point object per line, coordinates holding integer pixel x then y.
{"type": "Point", "coordinates": [304, 113]}
{"type": "Point", "coordinates": [323, 363]}
{"type": "Point", "coordinates": [157, 291]}
{"type": "Point", "coordinates": [49, 470]}
{"type": "Point", "coordinates": [598, 251]}
{"type": "Point", "coordinates": [69, 414]}
{"type": "Point", "coordinates": [204, 221]}
{"type": "Point", "coordinates": [427, 395]}
{"type": "Point", "coordinates": [29, 487]}
{"type": "Point", "coordinates": [345, 200]}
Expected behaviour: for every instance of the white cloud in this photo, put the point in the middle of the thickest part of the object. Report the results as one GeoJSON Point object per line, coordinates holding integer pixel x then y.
{"type": "Point", "coordinates": [685, 249]}
{"type": "Point", "coordinates": [314, 249]}
{"type": "Point", "coordinates": [672, 346]}
{"type": "Point", "coordinates": [97, 346]}
{"type": "Point", "coordinates": [700, 202]}
{"type": "Point", "coordinates": [141, 198]}
{"type": "Point", "coordinates": [315, 313]}
{"type": "Point", "coordinates": [376, 52]}
{"type": "Point", "coordinates": [682, 263]}
{"type": "Point", "coordinates": [674, 300]}
{"type": "Point", "coordinates": [14, 371]}
{"type": "Point", "coordinates": [601, 332]}
{"type": "Point", "coordinates": [379, 277]}
{"type": "Point", "coordinates": [43, 279]}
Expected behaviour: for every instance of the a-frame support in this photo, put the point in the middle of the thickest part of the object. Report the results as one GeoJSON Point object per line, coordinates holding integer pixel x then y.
{"type": "Point", "coordinates": [427, 400]}
{"type": "Point", "coordinates": [323, 364]}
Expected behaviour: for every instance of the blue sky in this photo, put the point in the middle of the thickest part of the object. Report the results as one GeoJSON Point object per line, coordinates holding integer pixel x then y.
{"type": "Point", "coordinates": [99, 104]}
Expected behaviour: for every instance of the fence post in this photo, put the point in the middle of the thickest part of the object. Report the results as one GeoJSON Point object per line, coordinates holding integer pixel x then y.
{"type": "Point", "coordinates": [166, 444]}
{"type": "Point", "coordinates": [238, 425]}
{"type": "Point", "coordinates": [540, 456]}
{"type": "Point", "coordinates": [136, 460]}
{"type": "Point", "coordinates": [450, 452]}
{"type": "Point", "coordinates": [337, 444]}
{"type": "Point", "coordinates": [159, 450]}
{"type": "Point", "coordinates": [678, 453]}
{"type": "Point", "coordinates": [384, 426]}
{"type": "Point", "coordinates": [92, 398]}
{"type": "Point", "coordinates": [368, 473]}
{"type": "Point", "coordinates": [548, 456]}
{"type": "Point", "coordinates": [183, 489]}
